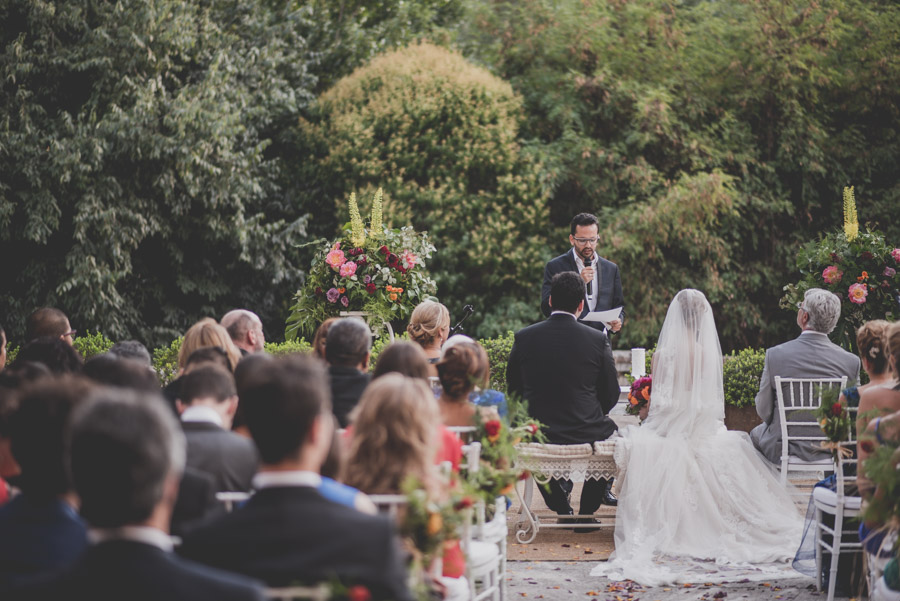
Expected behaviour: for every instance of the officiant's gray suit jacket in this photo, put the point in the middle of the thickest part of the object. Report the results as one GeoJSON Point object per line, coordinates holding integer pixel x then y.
{"type": "Point", "coordinates": [810, 355]}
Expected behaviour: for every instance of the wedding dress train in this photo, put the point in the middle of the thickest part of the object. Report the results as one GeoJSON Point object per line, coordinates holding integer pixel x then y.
{"type": "Point", "coordinates": [697, 503]}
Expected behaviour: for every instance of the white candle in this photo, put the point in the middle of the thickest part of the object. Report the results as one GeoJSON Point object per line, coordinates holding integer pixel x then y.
{"type": "Point", "coordinates": [638, 362]}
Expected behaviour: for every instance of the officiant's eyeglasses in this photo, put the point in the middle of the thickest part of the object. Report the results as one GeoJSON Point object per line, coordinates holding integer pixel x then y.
{"type": "Point", "coordinates": [591, 241]}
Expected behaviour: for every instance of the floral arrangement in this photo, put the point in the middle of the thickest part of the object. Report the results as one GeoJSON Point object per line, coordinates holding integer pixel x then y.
{"type": "Point", "coordinates": [639, 395]}
{"type": "Point", "coordinates": [427, 523]}
{"type": "Point", "coordinates": [835, 422]}
{"type": "Point", "coordinates": [860, 267]}
{"type": "Point", "coordinates": [378, 270]}
{"type": "Point", "coordinates": [497, 473]}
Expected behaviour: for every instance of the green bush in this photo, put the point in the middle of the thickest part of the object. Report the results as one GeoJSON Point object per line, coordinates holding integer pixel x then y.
{"type": "Point", "coordinates": [11, 353]}
{"type": "Point", "coordinates": [91, 344]}
{"type": "Point", "coordinates": [290, 347]}
{"type": "Point", "coordinates": [439, 135]}
{"type": "Point", "coordinates": [742, 374]}
{"type": "Point", "coordinates": [165, 361]}
{"type": "Point", "coordinates": [498, 355]}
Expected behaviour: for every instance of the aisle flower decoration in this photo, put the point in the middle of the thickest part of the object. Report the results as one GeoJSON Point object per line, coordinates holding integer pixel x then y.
{"type": "Point", "coordinates": [379, 271]}
{"type": "Point", "coordinates": [859, 266]}
{"type": "Point", "coordinates": [498, 472]}
{"type": "Point", "coordinates": [834, 420]}
{"type": "Point", "coordinates": [639, 395]}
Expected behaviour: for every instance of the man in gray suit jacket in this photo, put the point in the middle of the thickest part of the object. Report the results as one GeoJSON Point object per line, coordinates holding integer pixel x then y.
{"type": "Point", "coordinates": [810, 355]}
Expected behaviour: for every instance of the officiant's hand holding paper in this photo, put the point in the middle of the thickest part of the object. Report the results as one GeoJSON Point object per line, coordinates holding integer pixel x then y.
{"type": "Point", "coordinates": [609, 318]}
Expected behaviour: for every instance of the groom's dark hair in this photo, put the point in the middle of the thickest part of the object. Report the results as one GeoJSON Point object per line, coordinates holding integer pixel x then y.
{"type": "Point", "coordinates": [566, 291]}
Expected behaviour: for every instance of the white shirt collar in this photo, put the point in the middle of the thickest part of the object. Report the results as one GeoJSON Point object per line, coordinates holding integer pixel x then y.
{"type": "Point", "coordinates": [202, 413]}
{"type": "Point", "coordinates": [572, 315]}
{"type": "Point", "coordinates": [137, 534]}
{"type": "Point", "coordinates": [814, 333]}
{"type": "Point", "coordinates": [579, 262]}
{"type": "Point", "coordinates": [280, 479]}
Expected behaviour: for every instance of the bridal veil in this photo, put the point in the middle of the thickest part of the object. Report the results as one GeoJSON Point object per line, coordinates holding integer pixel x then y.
{"type": "Point", "coordinates": [697, 503]}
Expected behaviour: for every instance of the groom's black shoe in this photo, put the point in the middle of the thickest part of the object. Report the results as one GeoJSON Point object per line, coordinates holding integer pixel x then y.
{"type": "Point", "coordinates": [566, 518]}
{"type": "Point", "coordinates": [609, 499]}
{"type": "Point", "coordinates": [586, 521]}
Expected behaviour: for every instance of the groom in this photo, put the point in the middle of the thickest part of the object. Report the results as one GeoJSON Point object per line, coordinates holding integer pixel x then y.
{"type": "Point", "coordinates": [565, 370]}
{"type": "Point", "coordinates": [603, 286]}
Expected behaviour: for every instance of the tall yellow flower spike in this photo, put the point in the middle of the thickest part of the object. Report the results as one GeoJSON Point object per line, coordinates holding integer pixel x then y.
{"type": "Point", "coordinates": [357, 231]}
{"type": "Point", "coordinates": [375, 227]}
{"type": "Point", "coordinates": [851, 225]}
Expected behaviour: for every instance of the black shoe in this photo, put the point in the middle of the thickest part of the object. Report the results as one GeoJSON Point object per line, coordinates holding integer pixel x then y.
{"type": "Point", "coordinates": [586, 521]}
{"type": "Point", "coordinates": [609, 499]}
{"type": "Point", "coordinates": [566, 518]}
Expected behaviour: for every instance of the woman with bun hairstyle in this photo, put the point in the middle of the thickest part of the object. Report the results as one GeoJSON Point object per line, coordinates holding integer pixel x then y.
{"type": "Point", "coordinates": [462, 367]}
{"type": "Point", "coordinates": [429, 327]}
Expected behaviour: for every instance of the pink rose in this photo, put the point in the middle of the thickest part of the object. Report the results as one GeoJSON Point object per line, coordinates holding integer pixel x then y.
{"type": "Point", "coordinates": [858, 293]}
{"type": "Point", "coordinates": [409, 259]}
{"type": "Point", "coordinates": [890, 272]}
{"type": "Point", "coordinates": [335, 258]}
{"type": "Point", "coordinates": [348, 269]}
{"type": "Point", "coordinates": [832, 275]}
{"type": "Point", "coordinates": [896, 254]}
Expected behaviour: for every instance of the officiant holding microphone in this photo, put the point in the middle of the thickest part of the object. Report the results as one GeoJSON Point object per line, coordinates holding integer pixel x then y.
{"type": "Point", "coordinates": [603, 286]}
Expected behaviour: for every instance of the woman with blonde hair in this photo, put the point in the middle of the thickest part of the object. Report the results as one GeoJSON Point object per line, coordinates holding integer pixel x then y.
{"type": "Point", "coordinates": [321, 336]}
{"type": "Point", "coordinates": [429, 327]}
{"type": "Point", "coordinates": [207, 332]}
{"type": "Point", "coordinates": [393, 436]}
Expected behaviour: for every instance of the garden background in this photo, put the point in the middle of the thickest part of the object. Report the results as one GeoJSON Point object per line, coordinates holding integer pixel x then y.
{"type": "Point", "coordinates": [162, 161]}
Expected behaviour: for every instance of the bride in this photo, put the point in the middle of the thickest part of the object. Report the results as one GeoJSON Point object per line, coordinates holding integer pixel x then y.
{"type": "Point", "coordinates": [696, 501]}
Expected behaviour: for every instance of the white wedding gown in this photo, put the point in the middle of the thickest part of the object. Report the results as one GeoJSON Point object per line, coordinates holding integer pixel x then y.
{"type": "Point", "coordinates": [697, 503]}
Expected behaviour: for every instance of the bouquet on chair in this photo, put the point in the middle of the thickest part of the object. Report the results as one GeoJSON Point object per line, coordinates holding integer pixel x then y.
{"type": "Point", "coordinates": [834, 420]}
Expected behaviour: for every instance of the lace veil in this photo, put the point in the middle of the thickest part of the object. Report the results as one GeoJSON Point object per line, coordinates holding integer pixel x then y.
{"type": "Point", "coordinates": [688, 397]}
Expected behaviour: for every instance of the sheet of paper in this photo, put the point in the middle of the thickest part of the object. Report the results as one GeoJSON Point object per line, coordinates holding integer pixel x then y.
{"type": "Point", "coordinates": [603, 317]}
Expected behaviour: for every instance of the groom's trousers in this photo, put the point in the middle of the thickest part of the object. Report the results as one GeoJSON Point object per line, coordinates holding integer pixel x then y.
{"type": "Point", "coordinates": [556, 495]}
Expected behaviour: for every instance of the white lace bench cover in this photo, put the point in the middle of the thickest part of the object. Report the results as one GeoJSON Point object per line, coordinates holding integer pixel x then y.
{"type": "Point", "coordinates": [575, 462]}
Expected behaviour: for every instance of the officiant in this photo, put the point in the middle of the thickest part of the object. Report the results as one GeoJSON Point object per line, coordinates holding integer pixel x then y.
{"type": "Point", "coordinates": [603, 286]}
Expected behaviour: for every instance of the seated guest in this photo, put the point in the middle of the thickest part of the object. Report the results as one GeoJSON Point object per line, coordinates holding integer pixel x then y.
{"type": "Point", "coordinates": [42, 531]}
{"type": "Point", "coordinates": [347, 353]}
{"type": "Point", "coordinates": [50, 322]}
{"type": "Point", "coordinates": [429, 327]}
{"type": "Point", "coordinates": [404, 358]}
{"type": "Point", "coordinates": [480, 395]}
{"type": "Point", "coordinates": [59, 356]}
{"type": "Point", "coordinates": [321, 337]}
{"type": "Point", "coordinates": [207, 404]}
{"type": "Point", "coordinates": [126, 453]}
{"type": "Point", "coordinates": [244, 375]}
{"type": "Point", "coordinates": [245, 329]}
{"type": "Point", "coordinates": [333, 487]}
{"type": "Point", "coordinates": [874, 355]}
{"type": "Point", "coordinates": [393, 440]}
{"type": "Point", "coordinates": [288, 532]}
{"type": "Point", "coordinates": [810, 355]}
{"type": "Point", "coordinates": [878, 401]}
{"type": "Point", "coordinates": [462, 367]}
{"type": "Point", "coordinates": [205, 355]}
{"type": "Point", "coordinates": [110, 370]}
{"type": "Point", "coordinates": [204, 333]}
{"type": "Point", "coordinates": [133, 350]}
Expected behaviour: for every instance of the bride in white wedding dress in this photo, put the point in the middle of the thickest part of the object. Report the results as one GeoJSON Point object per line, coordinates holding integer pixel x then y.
{"type": "Point", "coordinates": [697, 503]}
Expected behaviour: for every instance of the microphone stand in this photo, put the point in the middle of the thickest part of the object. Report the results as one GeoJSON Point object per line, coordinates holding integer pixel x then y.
{"type": "Point", "coordinates": [458, 329]}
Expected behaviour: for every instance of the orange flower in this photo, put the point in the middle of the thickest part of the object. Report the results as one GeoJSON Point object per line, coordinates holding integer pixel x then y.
{"type": "Point", "coordinates": [863, 277]}
{"type": "Point", "coordinates": [342, 290]}
{"type": "Point", "coordinates": [392, 296]}
{"type": "Point", "coordinates": [398, 290]}
{"type": "Point", "coordinates": [435, 523]}
{"type": "Point", "coordinates": [507, 489]}
{"type": "Point", "coordinates": [646, 393]}
{"type": "Point", "coordinates": [632, 400]}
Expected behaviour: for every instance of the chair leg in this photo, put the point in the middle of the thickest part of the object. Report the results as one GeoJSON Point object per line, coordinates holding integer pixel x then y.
{"type": "Point", "coordinates": [818, 550]}
{"type": "Point", "coordinates": [836, 551]}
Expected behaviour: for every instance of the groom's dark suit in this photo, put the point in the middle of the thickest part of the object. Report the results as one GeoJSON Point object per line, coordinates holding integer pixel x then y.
{"type": "Point", "coordinates": [609, 294]}
{"type": "Point", "coordinates": [565, 370]}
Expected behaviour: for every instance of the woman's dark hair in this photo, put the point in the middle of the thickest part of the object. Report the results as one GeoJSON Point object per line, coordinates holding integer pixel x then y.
{"type": "Point", "coordinates": [55, 353]}
{"type": "Point", "coordinates": [462, 368]}
{"type": "Point", "coordinates": [403, 357]}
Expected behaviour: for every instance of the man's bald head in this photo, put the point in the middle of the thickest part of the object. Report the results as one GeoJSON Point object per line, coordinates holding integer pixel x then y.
{"type": "Point", "coordinates": [245, 328]}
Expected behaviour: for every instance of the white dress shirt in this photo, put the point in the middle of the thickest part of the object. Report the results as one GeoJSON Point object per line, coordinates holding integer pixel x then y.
{"type": "Point", "coordinates": [137, 534]}
{"type": "Point", "coordinates": [286, 478]}
{"type": "Point", "coordinates": [595, 286]}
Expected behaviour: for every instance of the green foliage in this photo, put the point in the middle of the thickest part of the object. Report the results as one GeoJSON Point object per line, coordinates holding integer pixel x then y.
{"type": "Point", "coordinates": [840, 265]}
{"type": "Point", "coordinates": [743, 371]}
{"type": "Point", "coordinates": [11, 353]}
{"type": "Point", "coordinates": [165, 361]}
{"type": "Point", "coordinates": [91, 344]}
{"type": "Point", "coordinates": [138, 176]}
{"type": "Point", "coordinates": [498, 350]}
{"type": "Point", "coordinates": [883, 469]}
{"type": "Point", "coordinates": [710, 137]}
{"type": "Point", "coordinates": [289, 347]}
{"type": "Point", "coordinates": [439, 135]}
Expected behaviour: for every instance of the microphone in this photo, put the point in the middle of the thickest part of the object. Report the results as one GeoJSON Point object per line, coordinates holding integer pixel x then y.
{"type": "Point", "coordinates": [590, 284]}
